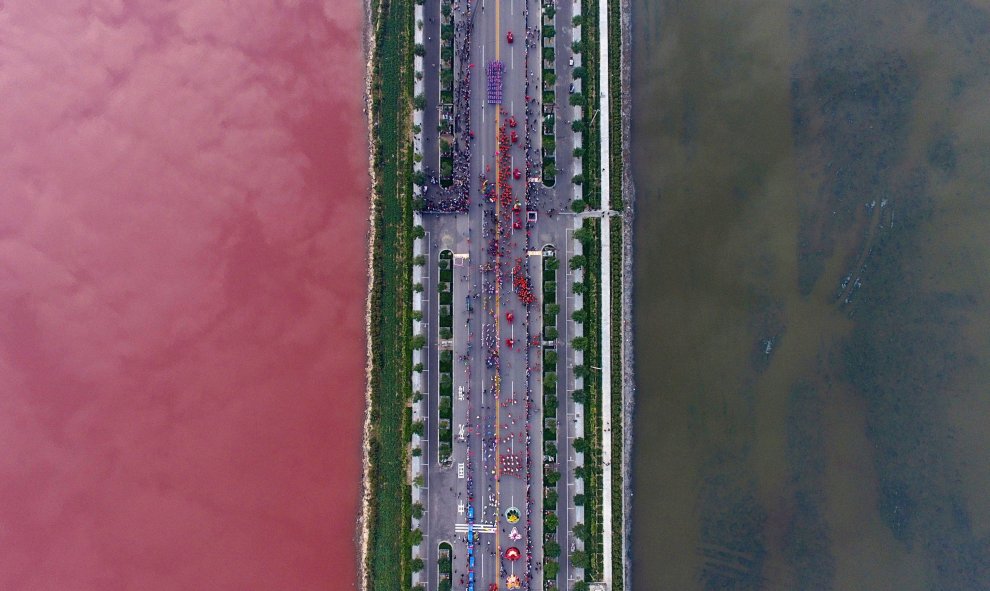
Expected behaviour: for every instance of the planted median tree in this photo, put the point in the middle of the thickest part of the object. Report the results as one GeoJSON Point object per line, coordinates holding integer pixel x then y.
{"type": "Point", "coordinates": [550, 570]}
{"type": "Point", "coordinates": [420, 102]}
{"type": "Point", "coordinates": [578, 179]}
{"type": "Point", "coordinates": [419, 50]}
{"type": "Point", "coordinates": [418, 341]}
{"type": "Point", "coordinates": [580, 445]}
{"type": "Point", "coordinates": [578, 125]}
{"type": "Point", "coordinates": [418, 427]}
{"type": "Point", "coordinates": [578, 205]}
{"type": "Point", "coordinates": [576, 100]}
{"type": "Point", "coordinates": [551, 549]}
{"type": "Point", "coordinates": [579, 72]}
{"type": "Point", "coordinates": [416, 537]}
{"type": "Point", "coordinates": [579, 343]}
{"type": "Point", "coordinates": [416, 564]}
{"type": "Point", "coordinates": [579, 396]}
{"type": "Point", "coordinates": [418, 232]}
{"type": "Point", "coordinates": [578, 261]}
{"type": "Point", "coordinates": [579, 500]}
{"type": "Point", "coordinates": [581, 532]}
{"type": "Point", "coordinates": [579, 559]}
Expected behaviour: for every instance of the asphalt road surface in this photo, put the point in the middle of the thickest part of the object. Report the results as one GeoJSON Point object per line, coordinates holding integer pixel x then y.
{"type": "Point", "coordinates": [497, 457]}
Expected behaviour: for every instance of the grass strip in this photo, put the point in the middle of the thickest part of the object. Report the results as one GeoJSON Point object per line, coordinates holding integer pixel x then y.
{"type": "Point", "coordinates": [615, 104]}
{"type": "Point", "coordinates": [388, 558]}
{"type": "Point", "coordinates": [589, 88]}
{"type": "Point", "coordinates": [618, 557]}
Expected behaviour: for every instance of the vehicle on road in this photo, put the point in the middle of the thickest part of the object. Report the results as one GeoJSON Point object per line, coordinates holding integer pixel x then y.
{"type": "Point", "coordinates": [508, 37]}
{"type": "Point", "coordinates": [570, 62]}
{"type": "Point", "coordinates": [516, 174]}
{"type": "Point", "coordinates": [512, 121]}
{"type": "Point", "coordinates": [514, 137]}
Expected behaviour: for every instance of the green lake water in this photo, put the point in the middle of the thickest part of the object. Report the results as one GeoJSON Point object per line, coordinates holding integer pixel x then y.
{"type": "Point", "coordinates": [811, 294]}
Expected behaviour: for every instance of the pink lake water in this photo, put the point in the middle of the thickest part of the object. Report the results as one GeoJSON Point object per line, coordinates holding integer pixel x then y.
{"type": "Point", "coordinates": [183, 219]}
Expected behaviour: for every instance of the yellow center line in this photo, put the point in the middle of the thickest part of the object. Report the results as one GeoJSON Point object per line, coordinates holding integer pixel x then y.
{"type": "Point", "coordinates": [498, 270]}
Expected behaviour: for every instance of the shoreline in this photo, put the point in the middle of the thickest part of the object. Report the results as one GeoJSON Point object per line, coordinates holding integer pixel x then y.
{"type": "Point", "coordinates": [628, 217]}
{"type": "Point", "coordinates": [363, 526]}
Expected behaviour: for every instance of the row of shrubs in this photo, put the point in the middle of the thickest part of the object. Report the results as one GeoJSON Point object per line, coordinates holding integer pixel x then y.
{"type": "Point", "coordinates": [445, 288]}
{"type": "Point", "coordinates": [549, 144]}
{"type": "Point", "coordinates": [551, 548]}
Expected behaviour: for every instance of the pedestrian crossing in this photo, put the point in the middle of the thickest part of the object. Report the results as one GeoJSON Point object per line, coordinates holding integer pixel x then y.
{"type": "Point", "coordinates": [479, 528]}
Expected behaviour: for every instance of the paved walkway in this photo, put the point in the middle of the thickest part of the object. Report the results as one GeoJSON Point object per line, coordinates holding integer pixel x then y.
{"type": "Point", "coordinates": [606, 204]}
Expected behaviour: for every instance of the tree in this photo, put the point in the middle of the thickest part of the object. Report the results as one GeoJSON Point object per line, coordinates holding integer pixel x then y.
{"type": "Point", "coordinates": [444, 585]}
{"type": "Point", "coordinates": [416, 564]}
{"type": "Point", "coordinates": [416, 537]}
{"type": "Point", "coordinates": [580, 343]}
{"type": "Point", "coordinates": [579, 396]}
{"type": "Point", "coordinates": [551, 333]}
{"type": "Point", "coordinates": [417, 395]}
{"type": "Point", "coordinates": [550, 449]}
{"type": "Point", "coordinates": [579, 500]}
{"type": "Point", "coordinates": [418, 341]}
{"type": "Point", "coordinates": [578, 125]}
{"type": "Point", "coordinates": [419, 260]}
{"type": "Point", "coordinates": [418, 231]}
{"type": "Point", "coordinates": [579, 559]}
{"type": "Point", "coordinates": [583, 234]}
{"type": "Point", "coordinates": [443, 564]}
{"type": "Point", "coordinates": [551, 549]}
{"type": "Point", "coordinates": [418, 288]}
{"type": "Point", "coordinates": [552, 263]}
{"type": "Point", "coordinates": [578, 152]}
{"type": "Point", "coordinates": [417, 451]}
{"type": "Point", "coordinates": [579, 72]}
{"type": "Point", "coordinates": [551, 499]}
{"type": "Point", "coordinates": [549, 169]}
{"type": "Point", "coordinates": [577, 21]}
{"type": "Point", "coordinates": [418, 427]}
{"type": "Point", "coordinates": [578, 179]}
{"type": "Point", "coordinates": [580, 445]}
{"type": "Point", "coordinates": [580, 472]}
{"type": "Point", "coordinates": [416, 129]}
{"type": "Point", "coordinates": [419, 50]}
{"type": "Point", "coordinates": [550, 381]}
{"type": "Point", "coordinates": [549, 79]}
{"type": "Point", "coordinates": [550, 521]}
{"type": "Point", "coordinates": [418, 481]}
{"type": "Point", "coordinates": [549, 32]}
{"type": "Point", "coordinates": [420, 178]}
{"type": "Point", "coordinates": [550, 358]}
{"type": "Point", "coordinates": [577, 47]}
{"type": "Point", "coordinates": [576, 100]}
{"type": "Point", "coordinates": [418, 368]}
{"type": "Point", "coordinates": [551, 309]}
{"type": "Point", "coordinates": [551, 478]}
{"type": "Point", "coordinates": [578, 205]}
{"type": "Point", "coordinates": [550, 570]}
{"type": "Point", "coordinates": [580, 532]}
{"type": "Point", "coordinates": [580, 288]}
{"type": "Point", "coordinates": [580, 586]}
{"type": "Point", "coordinates": [420, 102]}
{"type": "Point", "coordinates": [578, 261]}
{"type": "Point", "coordinates": [581, 371]}
{"type": "Point", "coordinates": [548, 54]}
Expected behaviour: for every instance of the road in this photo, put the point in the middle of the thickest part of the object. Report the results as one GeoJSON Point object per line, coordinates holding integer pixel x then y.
{"type": "Point", "coordinates": [496, 374]}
